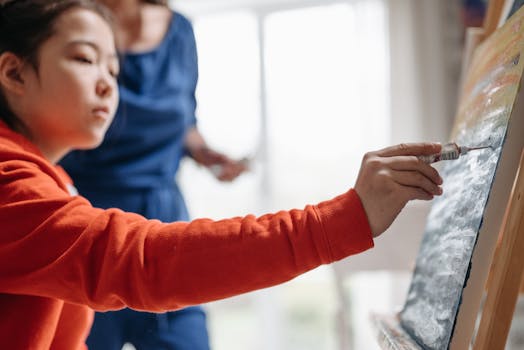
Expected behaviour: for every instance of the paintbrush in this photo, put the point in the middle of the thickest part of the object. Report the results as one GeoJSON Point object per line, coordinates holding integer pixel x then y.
{"type": "Point", "coordinates": [450, 151]}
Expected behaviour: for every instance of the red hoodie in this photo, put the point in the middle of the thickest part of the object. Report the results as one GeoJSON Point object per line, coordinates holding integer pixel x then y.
{"type": "Point", "coordinates": [60, 257]}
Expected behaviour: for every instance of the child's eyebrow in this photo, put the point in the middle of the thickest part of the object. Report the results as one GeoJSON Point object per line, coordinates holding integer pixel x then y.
{"type": "Point", "coordinates": [92, 45]}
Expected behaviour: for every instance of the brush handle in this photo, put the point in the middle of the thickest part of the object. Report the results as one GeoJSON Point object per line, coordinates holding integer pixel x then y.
{"type": "Point", "coordinates": [449, 151]}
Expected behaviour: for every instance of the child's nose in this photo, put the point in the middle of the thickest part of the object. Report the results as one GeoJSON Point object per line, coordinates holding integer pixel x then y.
{"type": "Point", "coordinates": [103, 88]}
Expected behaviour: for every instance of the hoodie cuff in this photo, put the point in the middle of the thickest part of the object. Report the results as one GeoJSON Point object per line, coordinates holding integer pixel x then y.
{"type": "Point", "coordinates": [345, 226]}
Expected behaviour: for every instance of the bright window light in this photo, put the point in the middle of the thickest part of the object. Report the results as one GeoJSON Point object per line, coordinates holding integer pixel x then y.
{"type": "Point", "coordinates": [326, 83]}
{"type": "Point", "coordinates": [327, 73]}
{"type": "Point", "coordinates": [228, 112]}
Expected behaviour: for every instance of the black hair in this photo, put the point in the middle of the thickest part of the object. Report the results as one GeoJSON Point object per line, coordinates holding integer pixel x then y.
{"type": "Point", "coordinates": [25, 25]}
{"type": "Point", "coordinates": [157, 2]}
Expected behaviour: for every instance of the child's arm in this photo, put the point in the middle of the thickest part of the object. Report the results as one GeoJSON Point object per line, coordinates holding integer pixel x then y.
{"type": "Point", "coordinates": [58, 246]}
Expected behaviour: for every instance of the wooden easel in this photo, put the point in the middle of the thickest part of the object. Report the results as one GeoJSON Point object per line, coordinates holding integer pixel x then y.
{"type": "Point", "coordinates": [493, 15]}
{"type": "Point", "coordinates": [474, 36]}
{"type": "Point", "coordinates": [506, 273]}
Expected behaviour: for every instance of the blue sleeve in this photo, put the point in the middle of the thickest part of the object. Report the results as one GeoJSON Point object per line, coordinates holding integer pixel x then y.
{"type": "Point", "coordinates": [191, 68]}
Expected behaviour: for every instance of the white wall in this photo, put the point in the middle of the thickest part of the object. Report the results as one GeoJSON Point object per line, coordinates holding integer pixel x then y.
{"type": "Point", "coordinates": [425, 61]}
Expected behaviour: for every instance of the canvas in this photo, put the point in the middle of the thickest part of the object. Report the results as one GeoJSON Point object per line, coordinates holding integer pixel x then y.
{"type": "Point", "coordinates": [462, 227]}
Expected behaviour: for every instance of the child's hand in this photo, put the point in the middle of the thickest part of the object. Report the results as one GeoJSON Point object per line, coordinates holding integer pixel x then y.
{"type": "Point", "coordinates": [391, 177]}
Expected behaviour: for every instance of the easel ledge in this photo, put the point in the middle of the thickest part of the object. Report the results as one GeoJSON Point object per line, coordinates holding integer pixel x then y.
{"type": "Point", "coordinates": [390, 334]}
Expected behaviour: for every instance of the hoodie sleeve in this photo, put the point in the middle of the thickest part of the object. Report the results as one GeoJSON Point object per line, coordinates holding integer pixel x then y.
{"type": "Point", "coordinates": [58, 246]}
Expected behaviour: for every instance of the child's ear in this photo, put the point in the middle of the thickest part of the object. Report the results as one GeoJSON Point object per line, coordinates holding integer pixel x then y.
{"type": "Point", "coordinates": [10, 73]}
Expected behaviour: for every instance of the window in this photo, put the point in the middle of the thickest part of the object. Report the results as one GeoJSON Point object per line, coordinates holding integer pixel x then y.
{"type": "Point", "coordinates": [305, 91]}
{"type": "Point", "coordinates": [327, 97]}
{"type": "Point", "coordinates": [228, 112]}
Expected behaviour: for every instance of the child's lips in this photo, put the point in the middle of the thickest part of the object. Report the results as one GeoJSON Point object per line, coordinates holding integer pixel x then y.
{"type": "Point", "coordinates": [101, 113]}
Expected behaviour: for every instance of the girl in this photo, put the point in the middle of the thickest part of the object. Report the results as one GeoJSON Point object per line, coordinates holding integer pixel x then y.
{"type": "Point", "coordinates": [60, 257]}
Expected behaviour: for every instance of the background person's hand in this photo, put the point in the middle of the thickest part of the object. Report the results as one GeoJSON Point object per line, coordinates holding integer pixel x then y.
{"type": "Point", "coordinates": [226, 169]}
{"type": "Point", "coordinates": [391, 177]}
{"type": "Point", "coordinates": [221, 166]}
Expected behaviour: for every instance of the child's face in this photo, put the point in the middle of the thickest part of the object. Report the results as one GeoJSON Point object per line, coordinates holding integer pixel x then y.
{"type": "Point", "coordinates": [71, 100]}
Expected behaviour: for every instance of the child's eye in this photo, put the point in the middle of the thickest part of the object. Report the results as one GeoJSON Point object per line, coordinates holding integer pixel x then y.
{"type": "Point", "coordinates": [83, 59]}
{"type": "Point", "coordinates": [113, 73]}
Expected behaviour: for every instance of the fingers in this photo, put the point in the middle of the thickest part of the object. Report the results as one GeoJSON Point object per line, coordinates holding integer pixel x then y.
{"type": "Point", "coordinates": [410, 149]}
{"type": "Point", "coordinates": [416, 180]}
{"type": "Point", "coordinates": [412, 163]}
{"type": "Point", "coordinates": [230, 170]}
{"type": "Point", "coordinates": [412, 193]}
{"type": "Point", "coordinates": [228, 174]}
